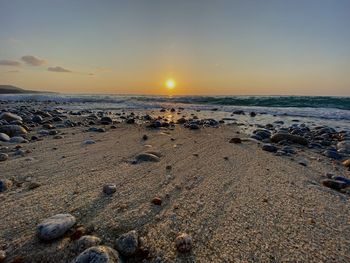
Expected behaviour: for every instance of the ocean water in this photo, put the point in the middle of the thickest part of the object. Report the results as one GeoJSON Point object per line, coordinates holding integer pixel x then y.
{"type": "Point", "coordinates": [317, 110]}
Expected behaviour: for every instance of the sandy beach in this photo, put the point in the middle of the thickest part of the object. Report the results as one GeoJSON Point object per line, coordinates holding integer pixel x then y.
{"type": "Point", "coordinates": [236, 201]}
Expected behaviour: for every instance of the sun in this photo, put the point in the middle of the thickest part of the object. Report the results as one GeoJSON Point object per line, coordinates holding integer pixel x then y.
{"type": "Point", "coordinates": [170, 84]}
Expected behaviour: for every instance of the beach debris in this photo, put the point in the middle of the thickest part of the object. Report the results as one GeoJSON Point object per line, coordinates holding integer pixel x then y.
{"type": "Point", "coordinates": [98, 254]}
{"type": "Point", "coordinates": [127, 244]}
{"type": "Point", "coordinates": [235, 140]}
{"type": "Point", "coordinates": [157, 201]}
{"type": "Point", "coordinates": [269, 148]}
{"type": "Point", "coordinates": [3, 157]}
{"type": "Point", "coordinates": [183, 243]}
{"type": "Point", "coordinates": [147, 157]}
{"type": "Point", "coordinates": [109, 189]}
{"type": "Point", "coordinates": [55, 226]}
{"type": "Point", "coordinates": [5, 185]}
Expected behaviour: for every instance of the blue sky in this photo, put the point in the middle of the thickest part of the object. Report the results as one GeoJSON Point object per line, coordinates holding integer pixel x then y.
{"type": "Point", "coordinates": [208, 47]}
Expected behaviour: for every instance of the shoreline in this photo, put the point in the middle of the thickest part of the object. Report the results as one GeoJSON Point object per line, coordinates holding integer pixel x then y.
{"type": "Point", "coordinates": [238, 201]}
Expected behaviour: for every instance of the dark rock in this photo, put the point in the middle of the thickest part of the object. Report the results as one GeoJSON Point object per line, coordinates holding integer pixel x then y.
{"type": "Point", "coordinates": [183, 243]}
{"type": "Point", "coordinates": [37, 119]}
{"type": "Point", "coordinates": [98, 254]}
{"type": "Point", "coordinates": [3, 157]}
{"type": "Point", "coordinates": [332, 154]}
{"type": "Point", "coordinates": [55, 226]}
{"type": "Point", "coordinates": [269, 148]}
{"type": "Point", "coordinates": [144, 137]}
{"type": "Point", "coordinates": [157, 201]}
{"type": "Point", "coordinates": [290, 137]}
{"type": "Point", "coordinates": [236, 140]}
{"type": "Point", "coordinates": [87, 241]}
{"type": "Point", "coordinates": [127, 244]}
{"type": "Point", "coordinates": [334, 184]}
{"type": "Point", "coordinates": [252, 114]}
{"type": "Point", "coordinates": [181, 121]}
{"type": "Point", "coordinates": [147, 157]}
{"type": "Point", "coordinates": [106, 120]}
{"type": "Point", "coordinates": [109, 189]}
{"type": "Point", "coordinates": [130, 121]}
{"type": "Point", "coordinates": [95, 129]}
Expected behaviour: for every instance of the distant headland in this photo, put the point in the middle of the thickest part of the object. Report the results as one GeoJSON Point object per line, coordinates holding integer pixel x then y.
{"type": "Point", "coordinates": [9, 89]}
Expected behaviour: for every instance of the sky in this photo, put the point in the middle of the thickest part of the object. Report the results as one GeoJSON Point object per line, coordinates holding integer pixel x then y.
{"type": "Point", "coordinates": [208, 47]}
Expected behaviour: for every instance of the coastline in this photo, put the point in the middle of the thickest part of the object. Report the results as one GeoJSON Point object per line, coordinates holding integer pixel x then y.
{"type": "Point", "coordinates": [237, 201]}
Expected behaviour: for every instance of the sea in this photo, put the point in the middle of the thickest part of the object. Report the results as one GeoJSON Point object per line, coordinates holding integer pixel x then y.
{"type": "Point", "coordinates": [312, 110]}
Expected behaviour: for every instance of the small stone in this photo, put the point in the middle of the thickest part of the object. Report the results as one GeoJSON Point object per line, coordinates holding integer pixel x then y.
{"type": "Point", "coordinates": [33, 185]}
{"type": "Point", "coordinates": [37, 119]}
{"type": "Point", "coordinates": [58, 137]}
{"type": "Point", "coordinates": [98, 254]}
{"type": "Point", "coordinates": [4, 137]}
{"type": "Point", "coordinates": [236, 140]}
{"type": "Point", "coordinates": [106, 120]}
{"type": "Point", "coordinates": [346, 163]}
{"type": "Point", "coordinates": [109, 189]}
{"type": "Point", "coordinates": [3, 157]}
{"type": "Point", "coordinates": [269, 148]}
{"type": "Point", "coordinates": [127, 244]}
{"type": "Point", "coordinates": [332, 154]}
{"type": "Point", "coordinates": [130, 121]}
{"type": "Point", "coordinates": [334, 184]}
{"type": "Point", "coordinates": [2, 255]}
{"type": "Point", "coordinates": [147, 157]}
{"type": "Point", "coordinates": [88, 241]}
{"type": "Point", "coordinates": [144, 137]}
{"type": "Point", "coordinates": [55, 226]}
{"type": "Point", "coordinates": [89, 142]}
{"type": "Point", "coordinates": [157, 201]}
{"type": "Point", "coordinates": [18, 139]}
{"type": "Point", "coordinates": [5, 184]}
{"type": "Point", "coordinates": [8, 116]}
{"type": "Point", "coordinates": [183, 243]}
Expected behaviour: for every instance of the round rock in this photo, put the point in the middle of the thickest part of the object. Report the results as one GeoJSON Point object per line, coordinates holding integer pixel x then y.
{"type": "Point", "coordinates": [3, 157]}
{"type": "Point", "coordinates": [147, 157]}
{"type": "Point", "coordinates": [128, 243]}
{"type": "Point", "coordinates": [98, 254]}
{"type": "Point", "coordinates": [55, 226]}
{"type": "Point", "coordinates": [109, 189]}
{"type": "Point", "coordinates": [5, 184]}
{"type": "Point", "coordinates": [8, 116]}
{"type": "Point", "coordinates": [183, 243]}
{"type": "Point", "coordinates": [4, 137]}
{"type": "Point", "coordinates": [88, 241]}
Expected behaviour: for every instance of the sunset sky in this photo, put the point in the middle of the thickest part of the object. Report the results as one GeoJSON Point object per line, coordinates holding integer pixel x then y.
{"type": "Point", "coordinates": [278, 47]}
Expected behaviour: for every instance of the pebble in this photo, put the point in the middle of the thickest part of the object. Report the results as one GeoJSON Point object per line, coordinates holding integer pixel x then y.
{"type": "Point", "coordinates": [144, 137]}
{"type": "Point", "coordinates": [89, 142]}
{"type": "Point", "coordinates": [106, 120]}
{"type": "Point", "coordinates": [236, 140]}
{"type": "Point", "coordinates": [55, 226]}
{"type": "Point", "coordinates": [127, 244]}
{"type": "Point", "coordinates": [332, 154]}
{"type": "Point", "coordinates": [183, 243]}
{"type": "Point", "coordinates": [147, 157]}
{"type": "Point", "coordinates": [94, 129]}
{"type": "Point", "coordinates": [109, 189]}
{"type": "Point", "coordinates": [334, 184]}
{"type": "Point", "coordinates": [33, 185]}
{"type": "Point", "coordinates": [157, 201]}
{"type": "Point", "coordinates": [4, 137]}
{"type": "Point", "coordinates": [98, 254]}
{"type": "Point", "coordinates": [3, 157]}
{"type": "Point", "coordinates": [5, 185]}
{"type": "Point", "coordinates": [37, 119]}
{"type": "Point", "coordinates": [269, 148]}
{"type": "Point", "coordinates": [18, 139]}
{"type": "Point", "coordinates": [8, 116]}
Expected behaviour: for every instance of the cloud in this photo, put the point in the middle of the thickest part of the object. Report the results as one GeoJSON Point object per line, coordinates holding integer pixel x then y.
{"type": "Point", "coordinates": [33, 61]}
{"type": "Point", "coordinates": [58, 69]}
{"type": "Point", "coordinates": [11, 63]}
